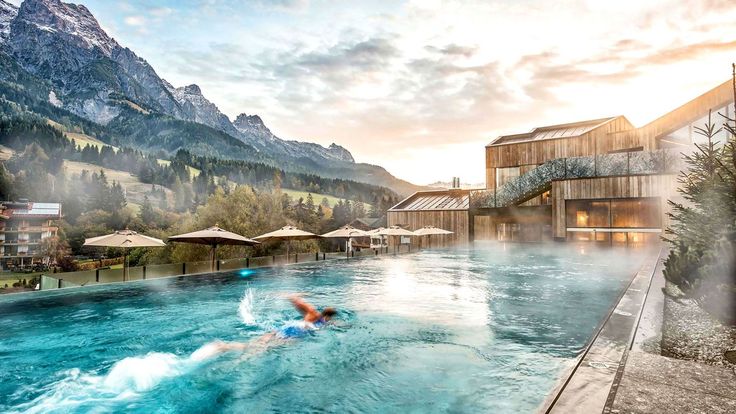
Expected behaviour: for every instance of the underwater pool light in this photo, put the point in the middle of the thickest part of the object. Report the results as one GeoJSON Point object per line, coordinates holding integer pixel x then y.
{"type": "Point", "coordinates": [246, 272]}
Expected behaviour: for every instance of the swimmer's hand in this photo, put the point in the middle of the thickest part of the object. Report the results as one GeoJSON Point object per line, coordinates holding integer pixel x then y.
{"type": "Point", "coordinates": [337, 323]}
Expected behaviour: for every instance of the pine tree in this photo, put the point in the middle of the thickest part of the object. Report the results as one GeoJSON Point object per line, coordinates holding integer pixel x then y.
{"type": "Point", "coordinates": [147, 214]}
{"type": "Point", "coordinates": [702, 261]}
{"type": "Point", "coordinates": [358, 209]}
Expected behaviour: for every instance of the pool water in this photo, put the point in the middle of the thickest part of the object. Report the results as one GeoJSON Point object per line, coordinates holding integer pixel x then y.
{"type": "Point", "coordinates": [488, 329]}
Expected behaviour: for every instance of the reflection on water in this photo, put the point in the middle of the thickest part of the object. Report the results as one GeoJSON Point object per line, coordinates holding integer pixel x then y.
{"type": "Point", "coordinates": [476, 330]}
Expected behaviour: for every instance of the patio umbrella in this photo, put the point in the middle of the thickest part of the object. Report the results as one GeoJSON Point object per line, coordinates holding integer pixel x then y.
{"type": "Point", "coordinates": [213, 237]}
{"type": "Point", "coordinates": [396, 231]}
{"type": "Point", "coordinates": [377, 232]}
{"type": "Point", "coordinates": [287, 234]}
{"type": "Point", "coordinates": [347, 232]}
{"type": "Point", "coordinates": [125, 239]}
{"type": "Point", "coordinates": [429, 231]}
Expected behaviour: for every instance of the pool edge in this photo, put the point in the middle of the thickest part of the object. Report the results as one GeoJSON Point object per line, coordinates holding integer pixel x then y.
{"type": "Point", "coordinates": [586, 384]}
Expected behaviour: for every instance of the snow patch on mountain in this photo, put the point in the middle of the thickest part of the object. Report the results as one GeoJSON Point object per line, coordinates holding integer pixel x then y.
{"type": "Point", "coordinates": [54, 100]}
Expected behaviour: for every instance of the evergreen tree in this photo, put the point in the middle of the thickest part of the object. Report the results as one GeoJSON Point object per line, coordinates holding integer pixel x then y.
{"type": "Point", "coordinates": [147, 214]}
{"type": "Point", "coordinates": [309, 204]}
{"type": "Point", "coordinates": [6, 184]}
{"type": "Point", "coordinates": [702, 261]}
{"type": "Point", "coordinates": [358, 210]}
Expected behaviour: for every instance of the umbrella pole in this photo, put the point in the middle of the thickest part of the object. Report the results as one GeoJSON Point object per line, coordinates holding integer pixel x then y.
{"type": "Point", "coordinates": [288, 247]}
{"type": "Point", "coordinates": [125, 266]}
{"type": "Point", "coordinates": [214, 257]}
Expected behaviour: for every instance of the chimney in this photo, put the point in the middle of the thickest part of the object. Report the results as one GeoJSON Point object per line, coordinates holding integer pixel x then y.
{"type": "Point", "coordinates": [455, 183]}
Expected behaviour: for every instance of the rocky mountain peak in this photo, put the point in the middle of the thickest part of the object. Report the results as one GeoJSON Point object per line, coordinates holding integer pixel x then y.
{"type": "Point", "coordinates": [192, 89]}
{"type": "Point", "coordinates": [74, 21]}
{"type": "Point", "coordinates": [7, 14]}
{"type": "Point", "coordinates": [245, 121]}
{"type": "Point", "coordinates": [340, 152]}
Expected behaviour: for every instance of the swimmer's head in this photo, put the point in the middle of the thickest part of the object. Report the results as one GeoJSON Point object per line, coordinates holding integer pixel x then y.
{"type": "Point", "coordinates": [328, 313]}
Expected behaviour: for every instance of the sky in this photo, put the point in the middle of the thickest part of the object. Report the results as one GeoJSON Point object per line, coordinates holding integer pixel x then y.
{"type": "Point", "coordinates": [420, 87]}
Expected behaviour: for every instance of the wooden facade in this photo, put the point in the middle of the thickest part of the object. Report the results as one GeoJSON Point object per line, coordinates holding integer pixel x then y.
{"type": "Point", "coordinates": [456, 221]}
{"type": "Point", "coordinates": [486, 222]}
{"type": "Point", "coordinates": [529, 154]}
{"type": "Point", "coordinates": [518, 154]}
{"type": "Point", "coordinates": [662, 186]}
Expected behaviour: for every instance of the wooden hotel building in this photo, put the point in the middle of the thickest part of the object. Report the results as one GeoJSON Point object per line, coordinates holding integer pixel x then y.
{"type": "Point", "coordinates": [600, 180]}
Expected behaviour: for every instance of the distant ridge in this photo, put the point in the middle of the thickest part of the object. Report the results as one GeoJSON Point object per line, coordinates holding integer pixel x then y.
{"type": "Point", "coordinates": [90, 74]}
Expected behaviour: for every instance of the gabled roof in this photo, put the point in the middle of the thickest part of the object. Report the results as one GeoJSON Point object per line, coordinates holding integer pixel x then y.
{"type": "Point", "coordinates": [568, 130]}
{"type": "Point", "coordinates": [435, 200]}
{"type": "Point", "coordinates": [370, 222]}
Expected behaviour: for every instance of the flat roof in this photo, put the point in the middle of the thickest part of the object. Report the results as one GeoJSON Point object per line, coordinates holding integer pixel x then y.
{"type": "Point", "coordinates": [34, 209]}
{"type": "Point", "coordinates": [568, 130]}
{"type": "Point", "coordinates": [435, 200]}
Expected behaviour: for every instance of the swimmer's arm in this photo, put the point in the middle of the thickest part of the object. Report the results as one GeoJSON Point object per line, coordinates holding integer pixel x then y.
{"type": "Point", "coordinates": [303, 307]}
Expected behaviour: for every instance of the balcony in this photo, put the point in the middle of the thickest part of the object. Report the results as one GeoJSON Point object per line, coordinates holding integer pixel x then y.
{"type": "Point", "coordinates": [29, 229]}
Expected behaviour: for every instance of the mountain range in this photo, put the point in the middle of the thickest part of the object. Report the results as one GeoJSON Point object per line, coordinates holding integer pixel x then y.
{"type": "Point", "coordinates": [79, 68]}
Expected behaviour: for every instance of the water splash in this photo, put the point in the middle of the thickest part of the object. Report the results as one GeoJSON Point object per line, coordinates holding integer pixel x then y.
{"type": "Point", "coordinates": [127, 379]}
{"type": "Point", "coordinates": [245, 308]}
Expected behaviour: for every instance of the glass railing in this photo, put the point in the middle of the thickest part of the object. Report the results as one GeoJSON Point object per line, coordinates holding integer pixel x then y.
{"type": "Point", "coordinates": [539, 180]}
{"type": "Point", "coordinates": [108, 275]}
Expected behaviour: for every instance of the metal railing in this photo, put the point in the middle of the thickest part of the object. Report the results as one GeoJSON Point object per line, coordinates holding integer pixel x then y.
{"type": "Point", "coordinates": [539, 180]}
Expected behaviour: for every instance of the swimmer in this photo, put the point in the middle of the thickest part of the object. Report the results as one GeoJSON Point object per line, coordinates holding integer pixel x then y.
{"type": "Point", "coordinates": [312, 320]}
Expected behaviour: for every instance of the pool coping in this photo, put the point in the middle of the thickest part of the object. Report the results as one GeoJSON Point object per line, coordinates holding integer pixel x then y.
{"type": "Point", "coordinates": [587, 384]}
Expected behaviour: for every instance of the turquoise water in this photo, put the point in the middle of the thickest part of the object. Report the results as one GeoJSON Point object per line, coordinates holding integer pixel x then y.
{"type": "Point", "coordinates": [483, 330]}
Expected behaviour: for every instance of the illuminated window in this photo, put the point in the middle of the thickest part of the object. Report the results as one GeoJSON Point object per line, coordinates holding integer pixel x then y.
{"type": "Point", "coordinates": [582, 219]}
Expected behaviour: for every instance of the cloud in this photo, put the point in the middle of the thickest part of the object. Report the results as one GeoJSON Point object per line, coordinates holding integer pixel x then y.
{"type": "Point", "coordinates": [135, 20]}
{"type": "Point", "coordinates": [446, 74]}
{"type": "Point", "coordinates": [679, 53]}
{"type": "Point", "coordinates": [161, 11]}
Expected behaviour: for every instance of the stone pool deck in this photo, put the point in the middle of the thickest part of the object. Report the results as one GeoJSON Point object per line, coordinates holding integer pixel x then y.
{"type": "Point", "coordinates": [622, 372]}
{"type": "Point", "coordinates": [657, 384]}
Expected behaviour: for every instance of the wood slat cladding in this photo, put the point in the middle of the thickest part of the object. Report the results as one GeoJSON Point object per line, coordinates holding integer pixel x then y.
{"type": "Point", "coordinates": [529, 155]}
{"type": "Point", "coordinates": [456, 221]}
{"type": "Point", "coordinates": [537, 152]}
{"type": "Point", "coordinates": [484, 228]}
{"type": "Point", "coordinates": [662, 186]}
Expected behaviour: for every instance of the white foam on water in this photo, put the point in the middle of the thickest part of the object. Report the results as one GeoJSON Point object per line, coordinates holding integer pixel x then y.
{"type": "Point", "coordinates": [127, 379]}
{"type": "Point", "coordinates": [245, 308]}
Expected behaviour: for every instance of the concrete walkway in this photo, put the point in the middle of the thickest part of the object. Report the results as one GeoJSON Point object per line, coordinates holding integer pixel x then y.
{"type": "Point", "coordinates": [656, 384]}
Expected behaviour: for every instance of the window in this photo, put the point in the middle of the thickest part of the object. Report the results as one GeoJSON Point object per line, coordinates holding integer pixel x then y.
{"type": "Point", "coordinates": [688, 134]}
{"type": "Point", "coordinates": [616, 213]}
{"type": "Point", "coordinates": [636, 213]}
{"type": "Point", "coordinates": [587, 213]}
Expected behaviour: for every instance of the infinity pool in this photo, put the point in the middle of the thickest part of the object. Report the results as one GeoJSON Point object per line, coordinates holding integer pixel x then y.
{"type": "Point", "coordinates": [488, 329]}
